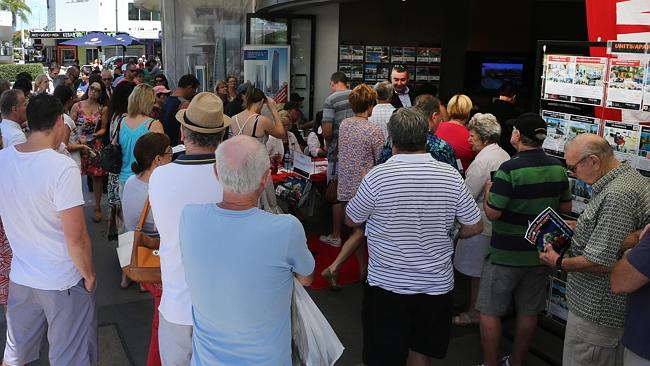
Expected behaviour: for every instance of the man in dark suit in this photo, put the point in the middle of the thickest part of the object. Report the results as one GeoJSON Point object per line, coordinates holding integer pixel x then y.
{"type": "Point", "coordinates": [505, 109]}
{"type": "Point", "coordinates": [403, 96]}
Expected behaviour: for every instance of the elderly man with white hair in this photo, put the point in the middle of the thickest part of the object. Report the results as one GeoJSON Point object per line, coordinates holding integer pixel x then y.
{"type": "Point", "coordinates": [240, 262]}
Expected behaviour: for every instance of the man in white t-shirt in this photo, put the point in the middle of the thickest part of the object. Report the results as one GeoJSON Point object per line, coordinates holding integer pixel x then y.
{"type": "Point", "coordinates": [189, 179]}
{"type": "Point", "coordinates": [52, 279]}
{"type": "Point", "coordinates": [12, 107]}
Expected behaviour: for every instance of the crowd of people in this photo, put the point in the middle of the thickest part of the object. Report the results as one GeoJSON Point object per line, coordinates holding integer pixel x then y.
{"type": "Point", "coordinates": [429, 191]}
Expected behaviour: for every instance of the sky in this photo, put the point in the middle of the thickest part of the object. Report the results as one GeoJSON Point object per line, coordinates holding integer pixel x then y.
{"type": "Point", "coordinates": [39, 14]}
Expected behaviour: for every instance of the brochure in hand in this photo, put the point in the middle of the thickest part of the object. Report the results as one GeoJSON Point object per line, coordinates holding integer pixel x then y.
{"type": "Point", "coordinates": [549, 228]}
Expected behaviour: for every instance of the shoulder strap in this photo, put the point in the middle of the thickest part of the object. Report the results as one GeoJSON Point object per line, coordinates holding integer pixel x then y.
{"type": "Point", "coordinates": [116, 135]}
{"type": "Point", "coordinates": [255, 125]}
{"type": "Point", "coordinates": [151, 121]}
{"type": "Point", "coordinates": [143, 214]}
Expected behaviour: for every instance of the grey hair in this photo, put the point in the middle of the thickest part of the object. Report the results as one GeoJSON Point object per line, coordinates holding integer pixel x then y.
{"type": "Point", "coordinates": [241, 168]}
{"type": "Point", "coordinates": [486, 127]}
{"type": "Point", "coordinates": [428, 104]}
{"type": "Point", "coordinates": [599, 147]}
{"type": "Point", "coordinates": [202, 139]}
{"type": "Point", "coordinates": [384, 90]}
{"type": "Point", "coordinates": [540, 137]}
{"type": "Point", "coordinates": [408, 129]}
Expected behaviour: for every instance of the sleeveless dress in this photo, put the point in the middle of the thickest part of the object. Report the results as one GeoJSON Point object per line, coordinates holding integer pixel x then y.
{"type": "Point", "coordinates": [88, 124]}
{"type": "Point", "coordinates": [267, 201]}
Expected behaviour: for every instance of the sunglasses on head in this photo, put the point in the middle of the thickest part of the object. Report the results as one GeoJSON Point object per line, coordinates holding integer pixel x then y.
{"type": "Point", "coordinates": [399, 68]}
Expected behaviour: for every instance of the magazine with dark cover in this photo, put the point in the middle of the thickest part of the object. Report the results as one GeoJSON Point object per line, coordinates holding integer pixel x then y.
{"type": "Point", "coordinates": [549, 228]}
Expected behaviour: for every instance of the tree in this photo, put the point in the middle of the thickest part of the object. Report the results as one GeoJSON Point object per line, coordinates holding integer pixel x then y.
{"type": "Point", "coordinates": [18, 8]}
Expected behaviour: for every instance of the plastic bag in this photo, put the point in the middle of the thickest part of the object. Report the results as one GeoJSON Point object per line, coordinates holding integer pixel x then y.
{"type": "Point", "coordinates": [313, 341]}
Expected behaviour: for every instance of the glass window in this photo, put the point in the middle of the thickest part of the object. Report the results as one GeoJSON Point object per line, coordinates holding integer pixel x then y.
{"type": "Point", "coordinates": [145, 14]}
{"type": "Point", "coordinates": [155, 15]}
{"type": "Point", "coordinates": [268, 31]}
{"type": "Point", "coordinates": [134, 13]}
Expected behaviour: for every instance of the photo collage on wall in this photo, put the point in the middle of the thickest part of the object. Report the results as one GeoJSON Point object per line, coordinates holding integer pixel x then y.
{"type": "Point", "coordinates": [598, 81]}
{"type": "Point", "coordinates": [630, 141]}
{"type": "Point", "coordinates": [372, 64]}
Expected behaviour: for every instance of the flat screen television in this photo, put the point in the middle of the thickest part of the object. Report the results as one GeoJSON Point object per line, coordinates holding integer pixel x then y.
{"type": "Point", "coordinates": [494, 74]}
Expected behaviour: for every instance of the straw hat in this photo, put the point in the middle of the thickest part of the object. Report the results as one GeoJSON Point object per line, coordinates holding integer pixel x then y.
{"type": "Point", "coordinates": [204, 114]}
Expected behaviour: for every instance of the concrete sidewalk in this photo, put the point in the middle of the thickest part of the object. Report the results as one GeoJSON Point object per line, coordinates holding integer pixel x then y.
{"type": "Point", "coordinates": [125, 315]}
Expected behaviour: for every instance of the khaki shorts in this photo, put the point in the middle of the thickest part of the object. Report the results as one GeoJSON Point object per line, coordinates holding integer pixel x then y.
{"type": "Point", "coordinates": [69, 316]}
{"type": "Point", "coordinates": [590, 344]}
{"type": "Point", "coordinates": [501, 285]}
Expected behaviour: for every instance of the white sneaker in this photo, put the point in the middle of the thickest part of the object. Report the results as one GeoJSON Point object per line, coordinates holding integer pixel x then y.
{"type": "Point", "coordinates": [505, 361]}
{"type": "Point", "coordinates": [330, 240]}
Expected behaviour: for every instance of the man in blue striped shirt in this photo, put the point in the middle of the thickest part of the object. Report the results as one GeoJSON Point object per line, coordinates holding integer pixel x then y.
{"type": "Point", "coordinates": [410, 204]}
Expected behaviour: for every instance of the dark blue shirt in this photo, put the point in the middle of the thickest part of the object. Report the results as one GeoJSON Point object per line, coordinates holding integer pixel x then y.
{"type": "Point", "coordinates": [168, 119]}
{"type": "Point", "coordinates": [437, 147]}
{"type": "Point", "coordinates": [637, 316]}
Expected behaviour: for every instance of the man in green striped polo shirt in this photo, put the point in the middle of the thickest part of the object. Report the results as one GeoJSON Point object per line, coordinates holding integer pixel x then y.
{"type": "Point", "coordinates": [522, 187]}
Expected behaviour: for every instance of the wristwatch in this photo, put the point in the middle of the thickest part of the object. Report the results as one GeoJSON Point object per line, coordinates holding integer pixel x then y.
{"type": "Point", "coordinates": [558, 263]}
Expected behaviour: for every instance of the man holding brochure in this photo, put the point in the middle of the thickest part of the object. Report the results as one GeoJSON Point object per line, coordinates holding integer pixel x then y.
{"type": "Point", "coordinates": [620, 204]}
{"type": "Point", "coordinates": [522, 188]}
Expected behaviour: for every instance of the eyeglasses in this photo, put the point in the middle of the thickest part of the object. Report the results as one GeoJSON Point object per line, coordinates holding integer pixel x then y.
{"type": "Point", "coordinates": [160, 81]}
{"type": "Point", "coordinates": [93, 89]}
{"type": "Point", "coordinates": [107, 79]}
{"type": "Point", "coordinates": [572, 168]}
{"type": "Point", "coordinates": [132, 70]}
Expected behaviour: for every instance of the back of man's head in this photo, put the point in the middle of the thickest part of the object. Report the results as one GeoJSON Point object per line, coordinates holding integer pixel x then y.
{"type": "Point", "coordinates": [384, 91]}
{"type": "Point", "coordinates": [242, 163]}
{"type": "Point", "coordinates": [188, 80]}
{"type": "Point", "coordinates": [428, 104]}
{"type": "Point", "coordinates": [408, 129]}
{"type": "Point", "coordinates": [339, 77]}
{"type": "Point", "coordinates": [43, 111]}
{"type": "Point", "coordinates": [507, 90]}
{"type": "Point", "coordinates": [24, 75]}
{"type": "Point", "coordinates": [24, 85]}
{"type": "Point", "coordinates": [9, 100]}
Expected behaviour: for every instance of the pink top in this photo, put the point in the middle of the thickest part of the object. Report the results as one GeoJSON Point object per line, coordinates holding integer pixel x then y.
{"type": "Point", "coordinates": [458, 137]}
{"type": "Point", "coordinates": [360, 144]}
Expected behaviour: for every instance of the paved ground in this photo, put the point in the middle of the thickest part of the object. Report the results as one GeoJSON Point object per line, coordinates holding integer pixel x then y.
{"type": "Point", "coordinates": [125, 316]}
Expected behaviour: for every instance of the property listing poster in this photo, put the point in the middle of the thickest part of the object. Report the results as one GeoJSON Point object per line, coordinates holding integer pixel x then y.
{"type": "Point", "coordinates": [428, 55]}
{"type": "Point", "coordinates": [556, 132]}
{"type": "Point", "coordinates": [624, 139]}
{"type": "Point", "coordinates": [563, 127]}
{"type": "Point", "coordinates": [643, 164]}
{"type": "Point", "coordinates": [559, 73]}
{"type": "Point", "coordinates": [646, 90]}
{"type": "Point", "coordinates": [588, 83]}
{"type": "Point", "coordinates": [352, 71]}
{"type": "Point", "coordinates": [403, 54]}
{"type": "Point", "coordinates": [351, 53]}
{"type": "Point", "coordinates": [581, 194]}
{"type": "Point", "coordinates": [267, 67]}
{"type": "Point", "coordinates": [625, 89]}
{"type": "Point", "coordinates": [378, 54]}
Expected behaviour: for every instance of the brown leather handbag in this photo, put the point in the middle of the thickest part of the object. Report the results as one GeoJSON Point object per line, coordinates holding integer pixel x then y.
{"type": "Point", "coordinates": [145, 262]}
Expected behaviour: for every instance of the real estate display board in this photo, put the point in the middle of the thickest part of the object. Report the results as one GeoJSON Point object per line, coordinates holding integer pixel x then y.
{"type": "Point", "coordinates": [624, 138]}
{"type": "Point", "coordinates": [625, 89]}
{"type": "Point", "coordinates": [563, 127]}
{"type": "Point", "coordinates": [371, 64]}
{"type": "Point", "coordinates": [268, 68]}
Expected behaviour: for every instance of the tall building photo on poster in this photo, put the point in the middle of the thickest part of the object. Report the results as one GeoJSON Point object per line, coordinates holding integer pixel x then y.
{"type": "Point", "coordinates": [275, 73]}
{"type": "Point", "coordinates": [267, 67]}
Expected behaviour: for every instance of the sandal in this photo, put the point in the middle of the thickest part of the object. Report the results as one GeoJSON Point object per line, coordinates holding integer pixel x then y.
{"type": "Point", "coordinates": [464, 319]}
{"type": "Point", "coordinates": [331, 278]}
{"type": "Point", "coordinates": [98, 216]}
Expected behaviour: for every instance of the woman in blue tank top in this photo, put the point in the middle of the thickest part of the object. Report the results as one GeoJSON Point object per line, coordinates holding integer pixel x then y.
{"type": "Point", "coordinates": [135, 124]}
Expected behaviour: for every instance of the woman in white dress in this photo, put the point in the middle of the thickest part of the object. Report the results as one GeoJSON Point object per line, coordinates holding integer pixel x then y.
{"type": "Point", "coordinates": [484, 133]}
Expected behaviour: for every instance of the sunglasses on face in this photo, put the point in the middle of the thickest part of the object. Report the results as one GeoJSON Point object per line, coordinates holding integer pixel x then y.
{"type": "Point", "coordinates": [93, 89]}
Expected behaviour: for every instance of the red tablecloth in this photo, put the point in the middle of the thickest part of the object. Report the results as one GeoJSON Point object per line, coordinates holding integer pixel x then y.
{"type": "Point", "coordinates": [281, 176]}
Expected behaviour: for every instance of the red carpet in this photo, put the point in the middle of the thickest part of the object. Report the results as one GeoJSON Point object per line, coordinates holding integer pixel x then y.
{"type": "Point", "coordinates": [324, 255]}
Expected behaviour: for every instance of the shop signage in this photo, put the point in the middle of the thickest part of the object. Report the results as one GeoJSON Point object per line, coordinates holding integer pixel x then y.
{"type": "Point", "coordinates": [56, 35]}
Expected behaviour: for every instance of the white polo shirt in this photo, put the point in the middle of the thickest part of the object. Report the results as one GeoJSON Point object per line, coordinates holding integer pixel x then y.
{"type": "Point", "coordinates": [36, 187]}
{"type": "Point", "coordinates": [410, 203]}
{"type": "Point", "coordinates": [189, 179]}
{"type": "Point", "coordinates": [12, 133]}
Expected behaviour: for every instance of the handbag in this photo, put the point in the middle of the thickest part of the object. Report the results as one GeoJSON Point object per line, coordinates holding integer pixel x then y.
{"type": "Point", "coordinates": [110, 158]}
{"type": "Point", "coordinates": [145, 262]}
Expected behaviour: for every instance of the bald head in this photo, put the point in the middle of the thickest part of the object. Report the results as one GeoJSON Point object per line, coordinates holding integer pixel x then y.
{"type": "Point", "coordinates": [242, 164]}
{"type": "Point", "coordinates": [590, 144]}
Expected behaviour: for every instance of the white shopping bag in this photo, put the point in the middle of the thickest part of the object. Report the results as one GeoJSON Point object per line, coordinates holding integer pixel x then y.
{"type": "Point", "coordinates": [314, 342]}
{"type": "Point", "coordinates": [125, 248]}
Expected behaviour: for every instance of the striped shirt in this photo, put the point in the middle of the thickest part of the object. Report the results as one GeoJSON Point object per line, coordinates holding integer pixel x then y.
{"type": "Point", "coordinates": [335, 109]}
{"type": "Point", "coordinates": [410, 204]}
{"type": "Point", "coordinates": [522, 188]}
